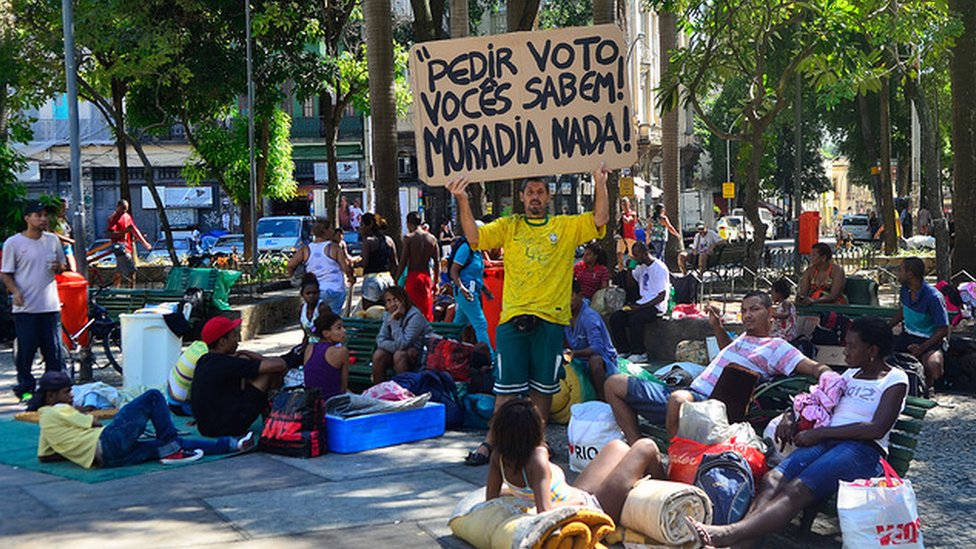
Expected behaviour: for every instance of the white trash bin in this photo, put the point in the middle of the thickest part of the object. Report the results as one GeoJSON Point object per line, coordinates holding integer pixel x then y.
{"type": "Point", "coordinates": [149, 351]}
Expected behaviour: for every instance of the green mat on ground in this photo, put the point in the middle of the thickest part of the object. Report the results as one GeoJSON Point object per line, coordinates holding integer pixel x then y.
{"type": "Point", "coordinates": [18, 448]}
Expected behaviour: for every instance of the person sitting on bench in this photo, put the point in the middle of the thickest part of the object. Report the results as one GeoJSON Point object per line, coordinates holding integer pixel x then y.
{"type": "Point", "coordinates": [589, 340]}
{"type": "Point", "coordinates": [926, 322]}
{"type": "Point", "coordinates": [849, 448]}
{"type": "Point", "coordinates": [823, 281]}
{"type": "Point", "coordinates": [400, 341]}
{"type": "Point", "coordinates": [653, 282]}
{"type": "Point", "coordinates": [230, 387]}
{"type": "Point", "coordinates": [703, 245]}
{"type": "Point", "coordinates": [753, 350]}
{"type": "Point", "coordinates": [68, 434]}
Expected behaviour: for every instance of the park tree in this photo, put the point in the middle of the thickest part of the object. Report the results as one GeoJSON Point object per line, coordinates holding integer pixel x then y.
{"type": "Point", "coordinates": [963, 70]}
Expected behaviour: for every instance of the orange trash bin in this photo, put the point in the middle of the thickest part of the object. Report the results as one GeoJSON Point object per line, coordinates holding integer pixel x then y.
{"type": "Point", "coordinates": [73, 293]}
{"type": "Point", "coordinates": [809, 231]}
{"type": "Point", "coordinates": [494, 281]}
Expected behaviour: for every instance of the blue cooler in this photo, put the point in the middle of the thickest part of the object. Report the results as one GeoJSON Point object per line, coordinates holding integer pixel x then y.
{"type": "Point", "coordinates": [356, 434]}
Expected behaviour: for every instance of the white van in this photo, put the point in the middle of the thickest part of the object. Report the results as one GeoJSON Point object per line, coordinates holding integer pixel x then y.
{"type": "Point", "coordinates": [283, 233]}
{"type": "Point", "coordinates": [765, 216]}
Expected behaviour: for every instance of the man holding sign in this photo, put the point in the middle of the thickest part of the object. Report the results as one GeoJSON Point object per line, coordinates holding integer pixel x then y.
{"type": "Point", "coordinates": [539, 253]}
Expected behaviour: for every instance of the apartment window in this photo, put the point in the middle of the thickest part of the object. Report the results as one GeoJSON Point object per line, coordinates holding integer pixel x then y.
{"type": "Point", "coordinates": [308, 107]}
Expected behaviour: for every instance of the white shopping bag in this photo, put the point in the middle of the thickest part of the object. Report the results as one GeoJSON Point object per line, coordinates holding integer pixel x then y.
{"type": "Point", "coordinates": [879, 512]}
{"type": "Point", "coordinates": [591, 427]}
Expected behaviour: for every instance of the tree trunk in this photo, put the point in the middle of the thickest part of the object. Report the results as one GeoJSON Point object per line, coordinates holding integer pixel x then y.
{"type": "Point", "coordinates": [867, 136]}
{"type": "Point", "coordinates": [118, 102]}
{"type": "Point", "coordinates": [604, 13]}
{"type": "Point", "coordinates": [963, 73]}
{"type": "Point", "coordinates": [151, 184]}
{"type": "Point", "coordinates": [670, 151]}
{"type": "Point", "coordinates": [460, 20]}
{"type": "Point", "coordinates": [423, 20]}
{"type": "Point", "coordinates": [379, 52]}
{"type": "Point", "coordinates": [933, 179]}
{"type": "Point", "coordinates": [887, 201]}
{"type": "Point", "coordinates": [751, 202]}
{"type": "Point", "coordinates": [521, 15]}
{"type": "Point", "coordinates": [332, 190]}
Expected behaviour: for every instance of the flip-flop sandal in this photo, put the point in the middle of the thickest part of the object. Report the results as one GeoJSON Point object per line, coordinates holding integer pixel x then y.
{"type": "Point", "coordinates": [704, 538]}
{"type": "Point", "coordinates": [476, 458]}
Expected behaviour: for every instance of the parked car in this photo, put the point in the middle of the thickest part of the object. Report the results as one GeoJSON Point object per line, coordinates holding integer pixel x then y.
{"type": "Point", "coordinates": [857, 226]}
{"type": "Point", "coordinates": [228, 244]}
{"type": "Point", "coordinates": [765, 216]}
{"type": "Point", "coordinates": [735, 228]}
{"type": "Point", "coordinates": [160, 253]}
{"type": "Point", "coordinates": [283, 233]}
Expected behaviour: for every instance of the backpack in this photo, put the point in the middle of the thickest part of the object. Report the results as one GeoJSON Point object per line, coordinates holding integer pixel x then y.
{"type": "Point", "coordinates": [455, 246]}
{"type": "Point", "coordinates": [442, 389]}
{"type": "Point", "coordinates": [685, 288]}
{"type": "Point", "coordinates": [728, 481]}
{"type": "Point", "coordinates": [915, 371]}
{"type": "Point", "coordinates": [831, 330]}
{"type": "Point", "coordinates": [296, 424]}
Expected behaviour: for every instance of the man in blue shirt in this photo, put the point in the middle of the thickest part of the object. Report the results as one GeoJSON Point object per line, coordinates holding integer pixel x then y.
{"type": "Point", "coordinates": [926, 322]}
{"type": "Point", "coordinates": [589, 340]}
{"type": "Point", "coordinates": [468, 275]}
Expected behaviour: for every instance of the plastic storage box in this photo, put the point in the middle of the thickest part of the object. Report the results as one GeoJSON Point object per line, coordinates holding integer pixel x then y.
{"type": "Point", "coordinates": [355, 434]}
{"type": "Point", "coordinates": [149, 350]}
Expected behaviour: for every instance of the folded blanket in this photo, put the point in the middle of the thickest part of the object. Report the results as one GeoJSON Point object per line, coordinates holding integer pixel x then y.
{"type": "Point", "coordinates": [350, 405]}
{"type": "Point", "coordinates": [657, 509]}
{"type": "Point", "coordinates": [504, 523]}
{"type": "Point", "coordinates": [814, 409]}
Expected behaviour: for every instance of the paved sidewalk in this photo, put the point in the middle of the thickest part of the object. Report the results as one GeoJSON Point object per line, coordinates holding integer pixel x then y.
{"type": "Point", "coordinates": [392, 497]}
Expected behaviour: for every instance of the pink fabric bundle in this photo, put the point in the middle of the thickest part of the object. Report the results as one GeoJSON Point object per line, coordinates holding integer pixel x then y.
{"type": "Point", "coordinates": [388, 390]}
{"type": "Point", "coordinates": [813, 409]}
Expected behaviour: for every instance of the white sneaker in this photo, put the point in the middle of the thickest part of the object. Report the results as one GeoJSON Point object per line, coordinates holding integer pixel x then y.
{"type": "Point", "coordinates": [641, 358]}
{"type": "Point", "coordinates": [246, 443]}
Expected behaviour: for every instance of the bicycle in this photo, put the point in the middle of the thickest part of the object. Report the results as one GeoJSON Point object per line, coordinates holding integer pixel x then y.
{"type": "Point", "coordinates": [101, 327]}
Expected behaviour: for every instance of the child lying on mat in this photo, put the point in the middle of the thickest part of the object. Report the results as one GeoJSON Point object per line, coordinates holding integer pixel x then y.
{"type": "Point", "coordinates": [66, 433]}
{"type": "Point", "coordinates": [520, 466]}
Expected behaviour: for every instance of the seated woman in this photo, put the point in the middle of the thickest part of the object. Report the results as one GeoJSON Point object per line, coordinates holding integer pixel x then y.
{"type": "Point", "coordinates": [400, 341]}
{"type": "Point", "coordinates": [823, 281]}
{"type": "Point", "coordinates": [520, 466]}
{"type": "Point", "coordinates": [591, 271]}
{"type": "Point", "coordinates": [327, 361]}
{"type": "Point", "coordinates": [848, 449]}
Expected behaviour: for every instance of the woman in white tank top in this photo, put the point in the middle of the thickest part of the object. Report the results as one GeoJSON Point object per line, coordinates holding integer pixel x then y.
{"type": "Point", "coordinates": [327, 260]}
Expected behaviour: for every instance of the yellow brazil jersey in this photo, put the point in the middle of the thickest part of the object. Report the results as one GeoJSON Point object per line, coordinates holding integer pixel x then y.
{"type": "Point", "coordinates": [538, 262]}
{"type": "Point", "coordinates": [68, 432]}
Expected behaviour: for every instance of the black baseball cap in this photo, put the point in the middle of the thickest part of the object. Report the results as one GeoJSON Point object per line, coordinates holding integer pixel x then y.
{"type": "Point", "coordinates": [34, 207]}
{"type": "Point", "coordinates": [50, 381]}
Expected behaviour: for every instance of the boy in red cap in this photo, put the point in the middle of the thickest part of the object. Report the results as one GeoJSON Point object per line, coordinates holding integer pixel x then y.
{"type": "Point", "coordinates": [230, 387]}
{"type": "Point", "coordinates": [66, 433]}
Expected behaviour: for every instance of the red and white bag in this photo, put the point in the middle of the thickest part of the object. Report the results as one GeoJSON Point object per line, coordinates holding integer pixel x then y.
{"type": "Point", "coordinates": [879, 512]}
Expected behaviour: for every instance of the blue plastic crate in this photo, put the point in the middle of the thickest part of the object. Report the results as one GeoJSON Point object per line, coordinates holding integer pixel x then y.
{"type": "Point", "coordinates": [356, 434]}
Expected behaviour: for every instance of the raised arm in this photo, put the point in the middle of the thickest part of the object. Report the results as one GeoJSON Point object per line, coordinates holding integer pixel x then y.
{"type": "Point", "coordinates": [720, 334]}
{"type": "Point", "coordinates": [458, 189]}
{"type": "Point", "coordinates": [601, 202]}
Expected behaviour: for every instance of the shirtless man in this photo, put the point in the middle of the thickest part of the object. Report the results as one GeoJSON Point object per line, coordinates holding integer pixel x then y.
{"type": "Point", "coordinates": [419, 248]}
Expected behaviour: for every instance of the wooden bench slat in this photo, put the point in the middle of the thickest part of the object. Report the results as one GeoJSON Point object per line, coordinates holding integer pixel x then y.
{"type": "Point", "coordinates": [909, 426]}
{"type": "Point", "coordinates": [903, 440]}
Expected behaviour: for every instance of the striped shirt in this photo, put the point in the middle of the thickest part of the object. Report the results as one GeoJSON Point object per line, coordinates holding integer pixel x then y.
{"type": "Point", "coordinates": [767, 356]}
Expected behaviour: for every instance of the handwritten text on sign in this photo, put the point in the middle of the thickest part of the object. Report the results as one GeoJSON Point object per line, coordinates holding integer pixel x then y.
{"type": "Point", "coordinates": [522, 104]}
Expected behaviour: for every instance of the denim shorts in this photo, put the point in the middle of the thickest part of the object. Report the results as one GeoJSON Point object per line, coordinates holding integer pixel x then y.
{"type": "Point", "coordinates": [650, 399]}
{"type": "Point", "coordinates": [821, 468]}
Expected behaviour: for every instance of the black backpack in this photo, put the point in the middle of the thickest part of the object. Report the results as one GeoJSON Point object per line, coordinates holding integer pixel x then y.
{"type": "Point", "coordinates": [915, 371]}
{"type": "Point", "coordinates": [455, 246]}
{"type": "Point", "coordinates": [296, 424]}
{"type": "Point", "coordinates": [831, 330]}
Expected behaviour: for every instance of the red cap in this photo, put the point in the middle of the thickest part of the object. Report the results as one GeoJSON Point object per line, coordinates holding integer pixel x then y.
{"type": "Point", "coordinates": [216, 328]}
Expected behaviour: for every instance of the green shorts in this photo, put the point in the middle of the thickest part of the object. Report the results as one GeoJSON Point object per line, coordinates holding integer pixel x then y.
{"type": "Point", "coordinates": [528, 360]}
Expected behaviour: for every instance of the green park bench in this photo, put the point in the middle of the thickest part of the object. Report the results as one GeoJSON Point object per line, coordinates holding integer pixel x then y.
{"type": "Point", "coordinates": [361, 342]}
{"type": "Point", "coordinates": [124, 300]}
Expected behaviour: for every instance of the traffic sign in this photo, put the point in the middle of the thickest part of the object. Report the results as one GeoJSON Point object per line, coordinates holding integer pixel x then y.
{"type": "Point", "coordinates": [627, 186]}
{"type": "Point", "coordinates": [728, 189]}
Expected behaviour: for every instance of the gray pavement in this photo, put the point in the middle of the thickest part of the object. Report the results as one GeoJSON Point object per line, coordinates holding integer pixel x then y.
{"type": "Point", "coordinates": [391, 497]}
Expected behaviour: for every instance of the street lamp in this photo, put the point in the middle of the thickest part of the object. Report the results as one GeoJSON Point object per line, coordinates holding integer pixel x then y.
{"type": "Point", "coordinates": [253, 181]}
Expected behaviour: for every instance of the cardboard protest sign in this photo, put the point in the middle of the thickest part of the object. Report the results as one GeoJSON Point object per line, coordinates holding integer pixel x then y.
{"type": "Point", "coordinates": [522, 104]}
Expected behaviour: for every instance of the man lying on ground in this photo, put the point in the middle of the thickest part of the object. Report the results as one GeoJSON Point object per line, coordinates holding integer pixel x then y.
{"type": "Point", "coordinates": [68, 434]}
{"type": "Point", "coordinates": [754, 350]}
{"type": "Point", "coordinates": [230, 387]}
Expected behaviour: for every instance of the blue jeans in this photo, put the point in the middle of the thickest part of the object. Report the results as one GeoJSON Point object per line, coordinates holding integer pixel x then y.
{"type": "Point", "coordinates": [36, 331]}
{"type": "Point", "coordinates": [649, 399]}
{"type": "Point", "coordinates": [471, 312]}
{"type": "Point", "coordinates": [821, 468]}
{"type": "Point", "coordinates": [120, 442]}
{"type": "Point", "coordinates": [657, 248]}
